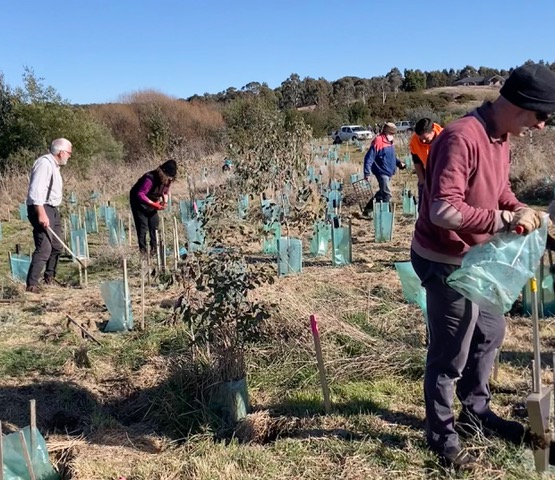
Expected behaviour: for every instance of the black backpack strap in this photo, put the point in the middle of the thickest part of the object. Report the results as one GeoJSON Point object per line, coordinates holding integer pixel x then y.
{"type": "Point", "coordinates": [49, 188]}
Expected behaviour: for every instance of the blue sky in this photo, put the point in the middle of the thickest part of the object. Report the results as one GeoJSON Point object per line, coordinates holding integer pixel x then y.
{"type": "Point", "coordinates": [95, 51]}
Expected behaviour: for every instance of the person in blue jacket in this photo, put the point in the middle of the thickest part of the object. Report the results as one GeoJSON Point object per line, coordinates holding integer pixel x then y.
{"type": "Point", "coordinates": [381, 161]}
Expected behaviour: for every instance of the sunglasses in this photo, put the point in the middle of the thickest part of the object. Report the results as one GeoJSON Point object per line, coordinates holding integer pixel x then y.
{"type": "Point", "coordinates": [542, 116]}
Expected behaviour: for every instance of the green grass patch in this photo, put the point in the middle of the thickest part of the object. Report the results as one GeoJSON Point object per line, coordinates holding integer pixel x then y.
{"type": "Point", "coordinates": [21, 361]}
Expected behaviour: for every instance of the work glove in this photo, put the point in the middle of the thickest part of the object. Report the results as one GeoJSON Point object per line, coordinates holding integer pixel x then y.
{"type": "Point", "coordinates": [157, 205]}
{"type": "Point", "coordinates": [527, 218]}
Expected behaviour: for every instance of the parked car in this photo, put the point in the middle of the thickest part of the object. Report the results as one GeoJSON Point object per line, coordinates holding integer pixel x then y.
{"type": "Point", "coordinates": [405, 126]}
{"type": "Point", "coordinates": [352, 132]}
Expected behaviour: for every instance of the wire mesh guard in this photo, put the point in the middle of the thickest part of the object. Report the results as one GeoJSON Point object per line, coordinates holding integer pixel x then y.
{"type": "Point", "coordinates": [363, 192]}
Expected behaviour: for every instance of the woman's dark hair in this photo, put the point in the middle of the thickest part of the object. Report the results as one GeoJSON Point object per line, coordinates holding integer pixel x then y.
{"type": "Point", "coordinates": [164, 178]}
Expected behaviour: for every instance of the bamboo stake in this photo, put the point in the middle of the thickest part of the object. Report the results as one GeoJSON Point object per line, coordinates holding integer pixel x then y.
{"type": "Point", "coordinates": [321, 368]}
{"type": "Point", "coordinates": [33, 423]}
{"type": "Point", "coordinates": [26, 456]}
{"type": "Point", "coordinates": [126, 294]}
{"type": "Point", "coordinates": [143, 294]}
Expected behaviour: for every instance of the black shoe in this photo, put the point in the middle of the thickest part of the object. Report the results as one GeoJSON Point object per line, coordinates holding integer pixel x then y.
{"type": "Point", "coordinates": [491, 424]}
{"type": "Point", "coordinates": [458, 459]}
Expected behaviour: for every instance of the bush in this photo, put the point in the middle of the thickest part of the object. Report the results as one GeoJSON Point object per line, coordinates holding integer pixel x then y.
{"type": "Point", "coordinates": [37, 115]}
{"type": "Point", "coordinates": [152, 123]}
{"type": "Point", "coordinates": [533, 166]}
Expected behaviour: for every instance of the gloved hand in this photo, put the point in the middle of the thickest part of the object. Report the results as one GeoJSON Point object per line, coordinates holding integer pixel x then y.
{"type": "Point", "coordinates": [402, 166]}
{"type": "Point", "coordinates": [527, 218]}
{"type": "Point", "coordinates": [157, 205]}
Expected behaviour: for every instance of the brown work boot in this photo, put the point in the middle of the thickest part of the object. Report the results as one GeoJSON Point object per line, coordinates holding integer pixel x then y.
{"type": "Point", "coordinates": [33, 289]}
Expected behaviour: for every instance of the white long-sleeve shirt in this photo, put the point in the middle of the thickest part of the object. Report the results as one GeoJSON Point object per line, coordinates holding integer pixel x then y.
{"type": "Point", "coordinates": [45, 170]}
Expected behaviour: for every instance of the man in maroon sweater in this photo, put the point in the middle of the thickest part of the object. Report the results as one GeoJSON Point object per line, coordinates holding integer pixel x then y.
{"type": "Point", "coordinates": [467, 199]}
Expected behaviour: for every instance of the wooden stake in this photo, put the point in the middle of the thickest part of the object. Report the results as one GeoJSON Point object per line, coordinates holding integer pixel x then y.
{"type": "Point", "coordinates": [1, 451]}
{"type": "Point", "coordinates": [163, 245]}
{"type": "Point", "coordinates": [87, 256]}
{"type": "Point", "coordinates": [321, 368]}
{"type": "Point", "coordinates": [143, 294]}
{"type": "Point", "coordinates": [79, 265]}
{"type": "Point", "coordinates": [84, 330]}
{"type": "Point", "coordinates": [65, 229]}
{"type": "Point", "coordinates": [26, 456]}
{"type": "Point", "coordinates": [175, 244]}
{"type": "Point", "coordinates": [129, 218]}
{"type": "Point", "coordinates": [158, 262]}
{"type": "Point", "coordinates": [33, 423]}
{"type": "Point", "coordinates": [126, 295]}
{"type": "Point", "coordinates": [148, 268]}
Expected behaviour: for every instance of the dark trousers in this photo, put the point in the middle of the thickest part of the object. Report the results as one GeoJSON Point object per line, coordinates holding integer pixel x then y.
{"type": "Point", "coordinates": [145, 221]}
{"type": "Point", "coordinates": [47, 248]}
{"type": "Point", "coordinates": [463, 340]}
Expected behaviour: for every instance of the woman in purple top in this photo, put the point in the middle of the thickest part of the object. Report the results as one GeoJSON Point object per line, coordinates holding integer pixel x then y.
{"type": "Point", "coordinates": [146, 197]}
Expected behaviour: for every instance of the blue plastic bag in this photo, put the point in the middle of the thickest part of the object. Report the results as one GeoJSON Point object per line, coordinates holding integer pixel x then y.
{"type": "Point", "coordinates": [492, 274]}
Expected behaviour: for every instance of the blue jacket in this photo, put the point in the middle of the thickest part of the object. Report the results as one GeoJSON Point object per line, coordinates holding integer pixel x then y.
{"type": "Point", "coordinates": [380, 158]}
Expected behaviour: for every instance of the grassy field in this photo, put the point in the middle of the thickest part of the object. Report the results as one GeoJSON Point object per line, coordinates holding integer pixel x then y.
{"type": "Point", "coordinates": [126, 408]}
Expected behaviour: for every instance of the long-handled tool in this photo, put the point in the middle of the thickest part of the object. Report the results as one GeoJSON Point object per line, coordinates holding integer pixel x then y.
{"type": "Point", "coordinates": [53, 233]}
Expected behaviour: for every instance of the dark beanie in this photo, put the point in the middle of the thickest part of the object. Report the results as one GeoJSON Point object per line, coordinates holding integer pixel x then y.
{"type": "Point", "coordinates": [531, 87]}
{"type": "Point", "coordinates": [169, 168]}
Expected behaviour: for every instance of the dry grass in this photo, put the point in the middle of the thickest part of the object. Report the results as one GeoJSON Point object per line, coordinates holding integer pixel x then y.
{"type": "Point", "coordinates": [372, 346]}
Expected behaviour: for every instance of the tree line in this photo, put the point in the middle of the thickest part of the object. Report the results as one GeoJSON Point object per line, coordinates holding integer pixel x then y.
{"type": "Point", "coordinates": [149, 124]}
{"type": "Point", "coordinates": [295, 92]}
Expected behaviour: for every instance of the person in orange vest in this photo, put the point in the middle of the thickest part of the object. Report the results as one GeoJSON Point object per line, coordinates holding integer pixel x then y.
{"type": "Point", "coordinates": [425, 132]}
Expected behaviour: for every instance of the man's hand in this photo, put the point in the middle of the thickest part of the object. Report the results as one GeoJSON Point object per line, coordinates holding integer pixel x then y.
{"type": "Point", "coordinates": [527, 218]}
{"type": "Point", "coordinates": [44, 221]}
{"type": "Point", "coordinates": [157, 205]}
